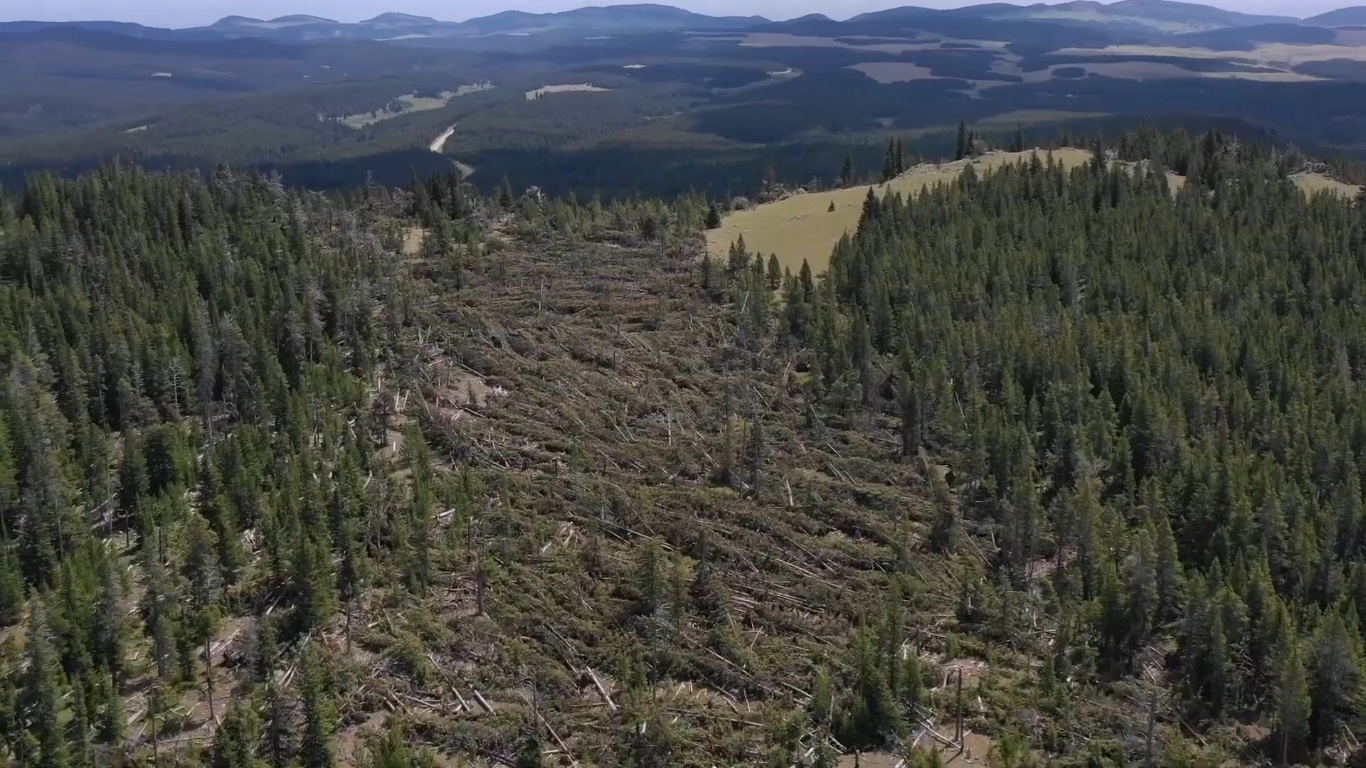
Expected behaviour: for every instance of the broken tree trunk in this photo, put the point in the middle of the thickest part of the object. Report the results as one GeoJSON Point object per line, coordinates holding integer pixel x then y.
{"type": "Point", "coordinates": [603, 691]}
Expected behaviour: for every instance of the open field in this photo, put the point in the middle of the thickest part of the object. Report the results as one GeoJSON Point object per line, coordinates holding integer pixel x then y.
{"type": "Point", "coordinates": [802, 227]}
{"type": "Point", "coordinates": [1272, 54]}
{"type": "Point", "coordinates": [1093, 61]}
{"type": "Point", "coordinates": [410, 103]}
{"type": "Point", "coordinates": [570, 88]}
{"type": "Point", "coordinates": [1157, 70]}
{"type": "Point", "coordinates": [1101, 64]}
{"type": "Point", "coordinates": [1316, 182]}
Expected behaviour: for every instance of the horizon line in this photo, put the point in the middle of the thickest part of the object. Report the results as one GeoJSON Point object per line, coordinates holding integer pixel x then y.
{"type": "Point", "coordinates": [627, 4]}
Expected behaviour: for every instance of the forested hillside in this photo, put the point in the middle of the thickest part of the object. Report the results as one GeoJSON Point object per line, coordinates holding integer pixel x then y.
{"type": "Point", "coordinates": [1155, 407]}
{"type": "Point", "coordinates": [184, 437]}
{"type": "Point", "coordinates": [1053, 467]}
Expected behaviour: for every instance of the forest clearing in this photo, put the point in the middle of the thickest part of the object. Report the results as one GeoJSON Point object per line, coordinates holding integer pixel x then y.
{"type": "Point", "coordinates": [801, 227]}
{"type": "Point", "coordinates": [567, 88]}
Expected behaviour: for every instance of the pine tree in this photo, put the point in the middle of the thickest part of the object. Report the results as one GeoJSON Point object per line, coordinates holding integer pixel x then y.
{"type": "Point", "coordinates": [267, 650]}
{"type": "Point", "coordinates": [1292, 701]}
{"type": "Point", "coordinates": [963, 147]}
{"type": "Point", "coordinates": [872, 715]}
{"type": "Point", "coordinates": [1168, 576]}
{"type": "Point", "coordinates": [713, 217]}
{"type": "Point", "coordinates": [111, 724]}
{"type": "Point", "coordinates": [847, 170]}
{"type": "Point", "coordinates": [314, 580]}
{"type": "Point", "coordinates": [238, 735]}
{"type": "Point", "coordinates": [344, 541]}
{"type": "Point", "coordinates": [42, 693]}
{"type": "Point", "coordinates": [201, 573]}
{"type": "Point", "coordinates": [775, 272]}
{"type": "Point", "coordinates": [79, 731]}
{"type": "Point", "coordinates": [11, 585]}
{"type": "Point", "coordinates": [158, 608]}
{"type": "Point", "coordinates": [807, 282]}
{"type": "Point", "coordinates": [1335, 682]}
{"type": "Point", "coordinates": [912, 683]}
{"type": "Point", "coordinates": [107, 630]}
{"type": "Point", "coordinates": [278, 742]}
{"type": "Point", "coordinates": [910, 418]}
{"type": "Point", "coordinates": [315, 748]}
{"type": "Point", "coordinates": [821, 707]}
{"type": "Point", "coordinates": [391, 750]}
{"type": "Point", "coordinates": [529, 749]}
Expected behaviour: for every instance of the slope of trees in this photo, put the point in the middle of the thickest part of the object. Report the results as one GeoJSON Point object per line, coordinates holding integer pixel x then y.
{"type": "Point", "coordinates": [1105, 437]}
{"type": "Point", "coordinates": [1152, 404]}
{"type": "Point", "coordinates": [184, 361]}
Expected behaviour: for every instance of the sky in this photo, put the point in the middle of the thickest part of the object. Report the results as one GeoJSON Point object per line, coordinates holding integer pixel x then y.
{"type": "Point", "coordinates": [184, 13]}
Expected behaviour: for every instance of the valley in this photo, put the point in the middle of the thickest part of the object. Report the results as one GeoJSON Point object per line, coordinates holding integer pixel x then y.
{"type": "Point", "coordinates": [736, 93]}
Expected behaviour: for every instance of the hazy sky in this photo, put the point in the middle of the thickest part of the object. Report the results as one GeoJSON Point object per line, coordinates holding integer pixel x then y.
{"type": "Point", "coordinates": [180, 13]}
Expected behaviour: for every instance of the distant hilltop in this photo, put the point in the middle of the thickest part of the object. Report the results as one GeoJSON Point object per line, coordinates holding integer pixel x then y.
{"type": "Point", "coordinates": [1161, 16]}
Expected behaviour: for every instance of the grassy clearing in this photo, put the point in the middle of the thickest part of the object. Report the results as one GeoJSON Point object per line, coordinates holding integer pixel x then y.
{"type": "Point", "coordinates": [1267, 77]}
{"type": "Point", "coordinates": [401, 106]}
{"type": "Point", "coordinates": [1317, 182]}
{"type": "Point", "coordinates": [571, 88]}
{"type": "Point", "coordinates": [408, 104]}
{"type": "Point", "coordinates": [413, 240]}
{"type": "Point", "coordinates": [1158, 70]}
{"type": "Point", "coordinates": [1270, 54]}
{"type": "Point", "coordinates": [803, 227]}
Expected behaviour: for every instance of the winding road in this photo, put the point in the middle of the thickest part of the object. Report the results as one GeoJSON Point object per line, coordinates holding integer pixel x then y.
{"type": "Point", "coordinates": [438, 146]}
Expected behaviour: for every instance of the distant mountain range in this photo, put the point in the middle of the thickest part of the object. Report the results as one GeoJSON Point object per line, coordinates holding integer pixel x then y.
{"type": "Point", "coordinates": [400, 26]}
{"type": "Point", "coordinates": [1342, 17]}
{"type": "Point", "coordinates": [1150, 16]}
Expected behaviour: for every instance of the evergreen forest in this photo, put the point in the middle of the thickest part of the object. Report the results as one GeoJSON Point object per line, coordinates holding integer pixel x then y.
{"type": "Point", "coordinates": [1050, 467]}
